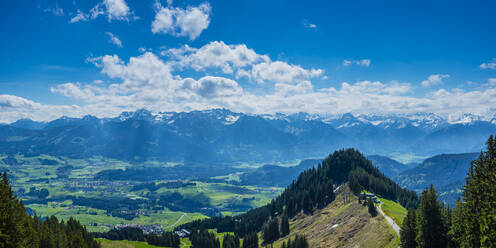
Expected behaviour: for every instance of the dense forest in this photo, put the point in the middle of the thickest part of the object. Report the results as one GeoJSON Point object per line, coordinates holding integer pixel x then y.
{"type": "Point", "coordinates": [471, 223]}
{"type": "Point", "coordinates": [18, 229]}
{"type": "Point", "coordinates": [313, 189]}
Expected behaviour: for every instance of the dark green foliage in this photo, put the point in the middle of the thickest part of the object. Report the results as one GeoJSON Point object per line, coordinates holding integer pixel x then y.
{"type": "Point", "coordinates": [371, 208]}
{"type": "Point", "coordinates": [250, 241]}
{"type": "Point", "coordinates": [18, 229]}
{"type": "Point", "coordinates": [284, 226]}
{"type": "Point", "coordinates": [231, 241]}
{"type": "Point", "coordinates": [457, 225]}
{"type": "Point", "coordinates": [126, 233]}
{"type": "Point", "coordinates": [167, 239]}
{"type": "Point", "coordinates": [479, 209]}
{"type": "Point", "coordinates": [204, 239]}
{"type": "Point", "coordinates": [270, 231]}
{"type": "Point", "coordinates": [299, 241]}
{"type": "Point", "coordinates": [430, 229]}
{"type": "Point", "coordinates": [408, 231]}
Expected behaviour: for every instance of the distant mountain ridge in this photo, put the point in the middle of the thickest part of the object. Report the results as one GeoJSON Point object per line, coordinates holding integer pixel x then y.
{"type": "Point", "coordinates": [447, 172]}
{"type": "Point", "coordinates": [223, 135]}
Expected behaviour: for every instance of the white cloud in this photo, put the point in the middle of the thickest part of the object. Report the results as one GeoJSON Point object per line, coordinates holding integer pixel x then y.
{"type": "Point", "coordinates": [281, 72]}
{"type": "Point", "coordinates": [434, 79]}
{"type": "Point", "coordinates": [114, 9]}
{"type": "Point", "coordinates": [240, 61]}
{"type": "Point", "coordinates": [114, 39]}
{"type": "Point", "coordinates": [216, 55]}
{"type": "Point", "coordinates": [361, 62]}
{"type": "Point", "coordinates": [211, 87]}
{"type": "Point", "coordinates": [489, 65]}
{"type": "Point", "coordinates": [189, 22]}
{"type": "Point", "coordinates": [13, 108]}
{"type": "Point", "coordinates": [309, 25]}
{"type": "Point", "coordinates": [156, 83]}
{"type": "Point", "coordinates": [80, 17]}
{"type": "Point", "coordinates": [56, 10]}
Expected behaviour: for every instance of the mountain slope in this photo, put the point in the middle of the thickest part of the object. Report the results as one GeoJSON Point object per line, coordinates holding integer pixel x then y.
{"type": "Point", "coordinates": [342, 225]}
{"type": "Point", "coordinates": [446, 172]}
{"type": "Point", "coordinates": [389, 167]}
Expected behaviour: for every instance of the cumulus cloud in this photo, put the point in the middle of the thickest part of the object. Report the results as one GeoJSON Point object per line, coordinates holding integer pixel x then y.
{"type": "Point", "coordinates": [211, 87]}
{"type": "Point", "coordinates": [240, 61]}
{"type": "Point", "coordinates": [361, 62]}
{"type": "Point", "coordinates": [189, 22]}
{"type": "Point", "coordinates": [14, 107]}
{"type": "Point", "coordinates": [216, 54]}
{"type": "Point", "coordinates": [113, 39]}
{"type": "Point", "coordinates": [156, 82]}
{"type": "Point", "coordinates": [113, 9]}
{"type": "Point", "coordinates": [434, 79]}
{"type": "Point", "coordinates": [489, 65]}
{"type": "Point", "coordinates": [281, 72]}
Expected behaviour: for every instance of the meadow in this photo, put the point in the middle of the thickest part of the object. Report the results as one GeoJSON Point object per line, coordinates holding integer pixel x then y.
{"type": "Point", "coordinates": [74, 189]}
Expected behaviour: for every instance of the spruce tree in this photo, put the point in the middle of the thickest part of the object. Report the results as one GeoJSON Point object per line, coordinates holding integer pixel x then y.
{"type": "Point", "coordinates": [480, 200]}
{"type": "Point", "coordinates": [430, 230]}
{"type": "Point", "coordinates": [285, 226]}
{"type": "Point", "coordinates": [457, 228]}
{"type": "Point", "coordinates": [408, 231]}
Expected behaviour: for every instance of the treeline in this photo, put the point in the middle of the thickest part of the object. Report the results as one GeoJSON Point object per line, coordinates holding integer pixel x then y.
{"type": "Point", "coordinates": [167, 239]}
{"type": "Point", "coordinates": [471, 223]}
{"type": "Point", "coordinates": [350, 165]}
{"type": "Point", "coordinates": [18, 229]}
{"type": "Point", "coordinates": [313, 189]}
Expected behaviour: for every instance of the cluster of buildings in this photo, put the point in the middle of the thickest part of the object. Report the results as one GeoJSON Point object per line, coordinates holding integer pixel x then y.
{"type": "Point", "coordinates": [182, 233]}
{"type": "Point", "coordinates": [147, 229]}
{"type": "Point", "coordinates": [370, 195]}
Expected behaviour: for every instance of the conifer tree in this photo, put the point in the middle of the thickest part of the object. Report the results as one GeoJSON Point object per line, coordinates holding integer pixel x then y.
{"type": "Point", "coordinates": [408, 231]}
{"type": "Point", "coordinates": [430, 230]}
{"type": "Point", "coordinates": [457, 225]}
{"type": "Point", "coordinates": [480, 200]}
{"type": "Point", "coordinates": [284, 226]}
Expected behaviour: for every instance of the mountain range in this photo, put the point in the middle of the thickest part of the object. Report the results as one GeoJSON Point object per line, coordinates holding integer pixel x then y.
{"type": "Point", "coordinates": [226, 136]}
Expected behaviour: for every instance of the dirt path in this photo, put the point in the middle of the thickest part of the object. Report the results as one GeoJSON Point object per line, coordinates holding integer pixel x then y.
{"type": "Point", "coordinates": [390, 221]}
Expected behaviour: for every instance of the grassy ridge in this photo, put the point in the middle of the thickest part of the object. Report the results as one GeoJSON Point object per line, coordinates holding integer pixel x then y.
{"type": "Point", "coordinates": [394, 210]}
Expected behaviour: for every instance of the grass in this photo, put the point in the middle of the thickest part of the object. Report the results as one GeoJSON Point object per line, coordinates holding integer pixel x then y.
{"type": "Point", "coordinates": [394, 210]}
{"type": "Point", "coordinates": [124, 244]}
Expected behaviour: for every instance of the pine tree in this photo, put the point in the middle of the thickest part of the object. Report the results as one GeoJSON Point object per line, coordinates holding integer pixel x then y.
{"type": "Point", "coordinates": [430, 230]}
{"type": "Point", "coordinates": [480, 200]}
{"type": "Point", "coordinates": [250, 241]}
{"type": "Point", "coordinates": [284, 226]}
{"type": "Point", "coordinates": [457, 225]}
{"type": "Point", "coordinates": [408, 231]}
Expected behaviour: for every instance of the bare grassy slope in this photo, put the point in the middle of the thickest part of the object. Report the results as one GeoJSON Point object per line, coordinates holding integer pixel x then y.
{"type": "Point", "coordinates": [355, 227]}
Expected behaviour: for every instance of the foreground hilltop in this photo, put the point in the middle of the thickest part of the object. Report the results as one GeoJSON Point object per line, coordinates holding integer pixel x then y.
{"type": "Point", "coordinates": [342, 225]}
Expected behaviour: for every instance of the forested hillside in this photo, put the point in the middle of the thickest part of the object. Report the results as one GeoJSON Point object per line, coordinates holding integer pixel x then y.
{"type": "Point", "coordinates": [470, 223]}
{"type": "Point", "coordinates": [19, 230]}
{"type": "Point", "coordinates": [312, 190]}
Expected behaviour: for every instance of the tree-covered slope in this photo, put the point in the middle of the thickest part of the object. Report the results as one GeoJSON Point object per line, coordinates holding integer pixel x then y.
{"type": "Point", "coordinates": [446, 172]}
{"type": "Point", "coordinates": [313, 190]}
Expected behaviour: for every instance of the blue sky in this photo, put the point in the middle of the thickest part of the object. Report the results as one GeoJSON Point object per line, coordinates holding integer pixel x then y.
{"type": "Point", "coordinates": [374, 57]}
